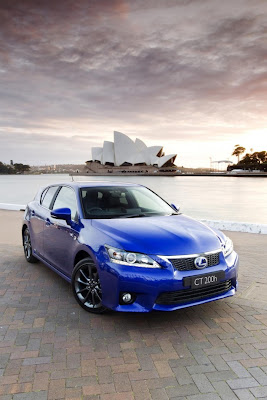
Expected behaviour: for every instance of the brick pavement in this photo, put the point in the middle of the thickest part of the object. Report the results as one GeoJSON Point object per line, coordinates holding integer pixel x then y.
{"type": "Point", "coordinates": [50, 348]}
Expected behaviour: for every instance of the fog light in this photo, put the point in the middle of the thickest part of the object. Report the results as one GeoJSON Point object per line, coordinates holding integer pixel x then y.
{"type": "Point", "coordinates": [126, 297]}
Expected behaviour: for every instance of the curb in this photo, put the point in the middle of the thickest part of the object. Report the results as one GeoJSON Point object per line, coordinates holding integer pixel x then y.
{"type": "Point", "coordinates": [237, 226]}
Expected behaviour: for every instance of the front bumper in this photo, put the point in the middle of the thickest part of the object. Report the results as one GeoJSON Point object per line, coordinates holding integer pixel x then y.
{"type": "Point", "coordinates": [149, 284]}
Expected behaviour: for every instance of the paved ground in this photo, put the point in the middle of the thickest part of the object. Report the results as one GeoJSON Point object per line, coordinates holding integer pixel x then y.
{"type": "Point", "coordinates": [10, 232]}
{"type": "Point", "coordinates": [50, 348]}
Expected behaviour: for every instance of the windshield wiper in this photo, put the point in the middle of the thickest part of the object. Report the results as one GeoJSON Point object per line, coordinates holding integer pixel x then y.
{"type": "Point", "coordinates": [145, 215]}
{"type": "Point", "coordinates": [140, 215]}
{"type": "Point", "coordinates": [103, 216]}
{"type": "Point", "coordinates": [133, 215]}
{"type": "Point", "coordinates": [117, 216]}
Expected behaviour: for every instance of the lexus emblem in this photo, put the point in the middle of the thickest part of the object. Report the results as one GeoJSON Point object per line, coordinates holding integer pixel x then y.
{"type": "Point", "coordinates": [201, 262]}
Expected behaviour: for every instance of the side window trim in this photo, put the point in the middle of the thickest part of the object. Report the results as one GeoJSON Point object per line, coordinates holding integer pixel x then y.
{"type": "Point", "coordinates": [55, 197]}
{"type": "Point", "coordinates": [43, 195]}
{"type": "Point", "coordinates": [81, 202]}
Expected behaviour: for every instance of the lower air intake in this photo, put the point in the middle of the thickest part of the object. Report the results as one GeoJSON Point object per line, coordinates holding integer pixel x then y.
{"type": "Point", "coordinates": [189, 295]}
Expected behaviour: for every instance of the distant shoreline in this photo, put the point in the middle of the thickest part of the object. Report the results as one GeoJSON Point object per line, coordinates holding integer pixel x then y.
{"type": "Point", "coordinates": [222, 174]}
{"type": "Point", "coordinates": [239, 175]}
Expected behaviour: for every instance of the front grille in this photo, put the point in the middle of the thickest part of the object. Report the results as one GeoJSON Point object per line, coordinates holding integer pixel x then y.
{"type": "Point", "coordinates": [189, 295]}
{"type": "Point", "coordinates": [187, 264]}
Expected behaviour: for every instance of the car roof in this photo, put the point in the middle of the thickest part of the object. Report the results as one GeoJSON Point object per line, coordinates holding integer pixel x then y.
{"type": "Point", "coordinates": [81, 184]}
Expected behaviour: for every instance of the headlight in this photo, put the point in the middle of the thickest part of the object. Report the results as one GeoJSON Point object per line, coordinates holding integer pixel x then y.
{"type": "Point", "coordinates": [123, 257]}
{"type": "Point", "coordinates": [227, 247]}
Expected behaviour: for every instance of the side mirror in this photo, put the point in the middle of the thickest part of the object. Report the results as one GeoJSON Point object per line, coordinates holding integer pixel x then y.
{"type": "Point", "coordinates": [175, 208]}
{"type": "Point", "coordinates": [62, 213]}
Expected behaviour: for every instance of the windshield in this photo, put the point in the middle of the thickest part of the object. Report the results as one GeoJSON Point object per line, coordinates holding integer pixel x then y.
{"type": "Point", "coordinates": [122, 202]}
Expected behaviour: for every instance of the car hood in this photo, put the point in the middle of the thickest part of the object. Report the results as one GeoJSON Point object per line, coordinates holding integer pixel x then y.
{"type": "Point", "coordinates": [162, 235]}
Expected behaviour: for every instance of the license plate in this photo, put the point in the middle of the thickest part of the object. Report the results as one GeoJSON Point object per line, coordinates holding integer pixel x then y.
{"type": "Point", "coordinates": [199, 281]}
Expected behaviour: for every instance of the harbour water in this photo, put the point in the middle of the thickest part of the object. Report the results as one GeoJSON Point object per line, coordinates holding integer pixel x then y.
{"type": "Point", "coordinates": [212, 198]}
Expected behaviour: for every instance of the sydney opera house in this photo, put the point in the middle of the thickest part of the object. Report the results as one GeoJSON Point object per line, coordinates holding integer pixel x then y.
{"type": "Point", "coordinates": [127, 156]}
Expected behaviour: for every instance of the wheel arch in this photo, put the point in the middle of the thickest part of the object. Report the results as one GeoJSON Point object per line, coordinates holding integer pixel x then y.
{"type": "Point", "coordinates": [82, 254]}
{"type": "Point", "coordinates": [92, 285]}
{"type": "Point", "coordinates": [24, 226]}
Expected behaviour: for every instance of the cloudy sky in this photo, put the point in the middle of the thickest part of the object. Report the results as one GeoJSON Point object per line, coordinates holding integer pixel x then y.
{"type": "Point", "coordinates": [187, 74]}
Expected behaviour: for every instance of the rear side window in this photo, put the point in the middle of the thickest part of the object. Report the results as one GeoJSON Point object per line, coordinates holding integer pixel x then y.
{"type": "Point", "coordinates": [48, 195]}
{"type": "Point", "coordinates": [66, 198]}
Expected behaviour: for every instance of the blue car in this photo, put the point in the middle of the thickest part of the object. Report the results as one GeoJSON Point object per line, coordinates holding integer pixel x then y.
{"type": "Point", "coordinates": [124, 248]}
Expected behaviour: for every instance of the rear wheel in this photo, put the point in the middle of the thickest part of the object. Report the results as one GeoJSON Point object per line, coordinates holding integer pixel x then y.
{"type": "Point", "coordinates": [27, 246]}
{"type": "Point", "coordinates": [86, 286]}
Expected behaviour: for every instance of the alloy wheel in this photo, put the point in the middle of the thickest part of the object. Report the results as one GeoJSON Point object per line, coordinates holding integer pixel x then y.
{"type": "Point", "coordinates": [86, 285]}
{"type": "Point", "coordinates": [27, 247]}
{"type": "Point", "coordinates": [27, 244]}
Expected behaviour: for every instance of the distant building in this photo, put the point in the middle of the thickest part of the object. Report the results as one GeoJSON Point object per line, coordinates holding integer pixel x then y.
{"type": "Point", "coordinates": [131, 155]}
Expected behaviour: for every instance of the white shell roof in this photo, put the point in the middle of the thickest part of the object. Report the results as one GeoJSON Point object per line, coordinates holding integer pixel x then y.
{"type": "Point", "coordinates": [108, 152]}
{"type": "Point", "coordinates": [164, 159]}
{"type": "Point", "coordinates": [140, 144]}
{"type": "Point", "coordinates": [97, 153]}
{"type": "Point", "coordinates": [125, 150]}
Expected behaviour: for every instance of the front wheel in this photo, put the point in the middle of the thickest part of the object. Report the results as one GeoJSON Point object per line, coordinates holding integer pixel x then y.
{"type": "Point", "coordinates": [86, 286]}
{"type": "Point", "coordinates": [27, 246]}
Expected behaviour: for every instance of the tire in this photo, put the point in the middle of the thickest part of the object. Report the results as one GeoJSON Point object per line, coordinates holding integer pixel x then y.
{"type": "Point", "coordinates": [27, 247]}
{"type": "Point", "coordinates": [86, 286]}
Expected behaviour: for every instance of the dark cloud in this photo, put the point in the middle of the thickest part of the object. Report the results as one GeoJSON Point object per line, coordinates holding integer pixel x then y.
{"type": "Point", "coordinates": [74, 68]}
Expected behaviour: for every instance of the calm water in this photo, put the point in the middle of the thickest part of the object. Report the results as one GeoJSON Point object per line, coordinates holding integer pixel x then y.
{"type": "Point", "coordinates": [216, 198]}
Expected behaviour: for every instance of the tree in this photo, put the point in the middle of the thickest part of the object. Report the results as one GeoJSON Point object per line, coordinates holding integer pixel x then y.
{"type": "Point", "coordinates": [6, 169]}
{"type": "Point", "coordinates": [258, 157]}
{"type": "Point", "coordinates": [252, 161]}
{"type": "Point", "coordinates": [19, 168]}
{"type": "Point", "coordinates": [238, 150]}
{"type": "Point", "coordinates": [262, 156]}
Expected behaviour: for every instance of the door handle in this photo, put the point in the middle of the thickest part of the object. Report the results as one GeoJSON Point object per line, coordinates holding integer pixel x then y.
{"type": "Point", "coordinates": [73, 236]}
{"type": "Point", "coordinates": [48, 222]}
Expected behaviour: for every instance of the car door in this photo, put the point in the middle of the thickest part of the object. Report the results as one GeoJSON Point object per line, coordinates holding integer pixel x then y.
{"type": "Point", "coordinates": [38, 215]}
{"type": "Point", "coordinates": [60, 238]}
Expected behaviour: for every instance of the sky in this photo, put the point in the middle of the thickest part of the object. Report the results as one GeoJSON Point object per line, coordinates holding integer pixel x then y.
{"type": "Point", "coordinates": [190, 75]}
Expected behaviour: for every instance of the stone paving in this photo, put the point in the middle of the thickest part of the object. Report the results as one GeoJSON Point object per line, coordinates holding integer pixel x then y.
{"type": "Point", "coordinates": [50, 348]}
